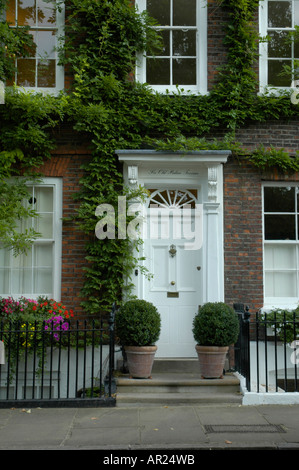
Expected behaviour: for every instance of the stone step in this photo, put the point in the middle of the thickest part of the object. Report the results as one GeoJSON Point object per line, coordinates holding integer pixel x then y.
{"type": "Point", "coordinates": [177, 388]}
{"type": "Point", "coordinates": [169, 399]}
{"type": "Point", "coordinates": [176, 365]}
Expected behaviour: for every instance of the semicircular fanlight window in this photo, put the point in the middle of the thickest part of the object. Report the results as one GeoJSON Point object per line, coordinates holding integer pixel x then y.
{"type": "Point", "coordinates": [173, 198]}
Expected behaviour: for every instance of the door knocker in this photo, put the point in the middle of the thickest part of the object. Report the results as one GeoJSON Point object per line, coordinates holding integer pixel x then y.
{"type": "Point", "coordinates": [172, 251]}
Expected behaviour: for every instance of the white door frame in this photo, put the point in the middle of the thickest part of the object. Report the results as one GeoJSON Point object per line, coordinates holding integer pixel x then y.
{"type": "Point", "coordinates": [202, 169]}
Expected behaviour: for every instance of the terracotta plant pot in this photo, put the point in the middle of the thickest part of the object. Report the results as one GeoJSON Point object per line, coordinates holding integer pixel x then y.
{"type": "Point", "coordinates": [211, 360]}
{"type": "Point", "coordinates": [140, 360]}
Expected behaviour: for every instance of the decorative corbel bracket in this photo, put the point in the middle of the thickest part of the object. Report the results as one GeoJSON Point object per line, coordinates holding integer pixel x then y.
{"type": "Point", "coordinates": [212, 184]}
{"type": "Point", "coordinates": [133, 174]}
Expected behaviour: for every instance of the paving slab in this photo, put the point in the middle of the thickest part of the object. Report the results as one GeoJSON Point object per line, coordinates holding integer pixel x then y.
{"type": "Point", "coordinates": [191, 428]}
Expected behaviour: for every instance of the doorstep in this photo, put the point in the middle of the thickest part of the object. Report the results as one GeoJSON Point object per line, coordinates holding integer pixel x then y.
{"type": "Point", "coordinates": [176, 382]}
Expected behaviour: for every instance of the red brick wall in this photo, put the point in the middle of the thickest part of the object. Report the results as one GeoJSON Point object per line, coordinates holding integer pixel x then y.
{"type": "Point", "coordinates": [65, 163]}
{"type": "Point", "coordinates": [243, 249]}
{"type": "Point", "coordinates": [243, 242]}
{"type": "Point", "coordinates": [216, 49]}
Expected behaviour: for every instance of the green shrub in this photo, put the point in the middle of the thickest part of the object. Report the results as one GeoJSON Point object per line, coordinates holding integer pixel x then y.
{"type": "Point", "coordinates": [285, 323]}
{"type": "Point", "coordinates": [138, 323]}
{"type": "Point", "coordinates": [215, 324]}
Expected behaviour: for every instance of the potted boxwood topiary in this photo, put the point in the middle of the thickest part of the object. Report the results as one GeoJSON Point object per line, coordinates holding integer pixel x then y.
{"type": "Point", "coordinates": [215, 328]}
{"type": "Point", "coordinates": [138, 325]}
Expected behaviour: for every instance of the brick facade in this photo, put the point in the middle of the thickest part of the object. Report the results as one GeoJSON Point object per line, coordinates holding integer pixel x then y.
{"type": "Point", "coordinates": [66, 163]}
{"type": "Point", "coordinates": [243, 238]}
{"type": "Point", "coordinates": [243, 244]}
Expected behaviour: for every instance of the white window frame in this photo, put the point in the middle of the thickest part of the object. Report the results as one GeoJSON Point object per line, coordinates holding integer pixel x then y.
{"type": "Point", "coordinates": [263, 52]}
{"type": "Point", "coordinates": [201, 59]}
{"type": "Point", "coordinates": [60, 21]}
{"type": "Point", "coordinates": [282, 302]}
{"type": "Point", "coordinates": [55, 291]}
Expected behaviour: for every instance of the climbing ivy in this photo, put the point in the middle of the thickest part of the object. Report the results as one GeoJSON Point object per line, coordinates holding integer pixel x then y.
{"type": "Point", "coordinates": [102, 39]}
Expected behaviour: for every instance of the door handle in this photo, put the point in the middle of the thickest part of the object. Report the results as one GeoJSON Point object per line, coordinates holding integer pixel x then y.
{"type": "Point", "coordinates": [198, 268]}
{"type": "Point", "coordinates": [172, 283]}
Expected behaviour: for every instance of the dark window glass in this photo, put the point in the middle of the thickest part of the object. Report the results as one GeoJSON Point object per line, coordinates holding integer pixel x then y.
{"type": "Point", "coordinates": [184, 12]}
{"type": "Point", "coordinates": [26, 72]}
{"type": "Point", "coordinates": [279, 46]}
{"type": "Point", "coordinates": [184, 71]}
{"type": "Point", "coordinates": [158, 71]}
{"type": "Point", "coordinates": [184, 43]}
{"type": "Point", "coordinates": [279, 14]}
{"type": "Point", "coordinates": [279, 199]}
{"type": "Point", "coordinates": [275, 71]}
{"type": "Point", "coordinates": [46, 73]}
{"type": "Point", "coordinates": [160, 10]}
{"type": "Point", "coordinates": [280, 227]}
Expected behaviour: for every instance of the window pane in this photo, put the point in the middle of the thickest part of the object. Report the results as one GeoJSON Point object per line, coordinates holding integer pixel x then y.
{"type": "Point", "coordinates": [184, 43]}
{"type": "Point", "coordinates": [46, 73]}
{"type": "Point", "coordinates": [46, 14]}
{"type": "Point", "coordinates": [166, 44]}
{"type": "Point", "coordinates": [5, 255]}
{"type": "Point", "coordinates": [184, 12]}
{"type": "Point", "coordinates": [279, 199]}
{"type": "Point", "coordinates": [160, 10]}
{"type": "Point", "coordinates": [23, 260]}
{"type": "Point", "coordinates": [11, 12]}
{"type": "Point", "coordinates": [42, 280]}
{"type": "Point", "coordinates": [158, 71]}
{"type": "Point", "coordinates": [278, 257]}
{"type": "Point", "coordinates": [21, 281]}
{"type": "Point", "coordinates": [44, 225]}
{"type": "Point", "coordinates": [278, 46]}
{"type": "Point", "coordinates": [46, 42]}
{"type": "Point", "coordinates": [26, 12]}
{"type": "Point", "coordinates": [184, 71]}
{"type": "Point", "coordinates": [275, 69]}
{"type": "Point", "coordinates": [280, 227]}
{"type": "Point", "coordinates": [296, 13]}
{"type": "Point", "coordinates": [26, 72]}
{"type": "Point", "coordinates": [4, 281]}
{"type": "Point", "coordinates": [43, 255]}
{"type": "Point", "coordinates": [280, 285]}
{"type": "Point", "coordinates": [279, 14]}
{"type": "Point", "coordinates": [43, 199]}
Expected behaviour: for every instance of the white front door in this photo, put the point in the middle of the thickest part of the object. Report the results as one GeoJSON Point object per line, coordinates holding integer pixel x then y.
{"type": "Point", "coordinates": [182, 279]}
{"type": "Point", "coordinates": [176, 284]}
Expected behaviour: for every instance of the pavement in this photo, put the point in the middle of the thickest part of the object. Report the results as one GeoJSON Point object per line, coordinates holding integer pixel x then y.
{"type": "Point", "coordinates": [177, 432]}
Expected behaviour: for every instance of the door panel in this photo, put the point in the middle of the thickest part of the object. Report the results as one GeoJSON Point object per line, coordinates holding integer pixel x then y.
{"type": "Point", "coordinates": [175, 289]}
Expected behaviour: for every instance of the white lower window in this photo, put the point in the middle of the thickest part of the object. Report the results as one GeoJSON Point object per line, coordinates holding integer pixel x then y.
{"type": "Point", "coordinates": [281, 244]}
{"type": "Point", "coordinates": [38, 272]}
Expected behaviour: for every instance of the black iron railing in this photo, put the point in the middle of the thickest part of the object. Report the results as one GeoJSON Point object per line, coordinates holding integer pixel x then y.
{"type": "Point", "coordinates": [267, 351]}
{"type": "Point", "coordinates": [66, 364]}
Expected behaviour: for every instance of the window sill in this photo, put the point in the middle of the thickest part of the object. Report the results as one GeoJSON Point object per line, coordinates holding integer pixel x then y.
{"type": "Point", "coordinates": [176, 90]}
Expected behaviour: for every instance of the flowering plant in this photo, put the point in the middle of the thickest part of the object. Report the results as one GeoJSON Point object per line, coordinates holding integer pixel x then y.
{"type": "Point", "coordinates": [51, 307]}
{"type": "Point", "coordinates": [13, 309]}
{"type": "Point", "coordinates": [32, 320]}
{"type": "Point", "coordinates": [41, 309]}
{"type": "Point", "coordinates": [56, 324]}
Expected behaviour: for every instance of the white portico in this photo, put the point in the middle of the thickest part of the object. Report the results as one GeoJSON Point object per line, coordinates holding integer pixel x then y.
{"type": "Point", "coordinates": [187, 272]}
